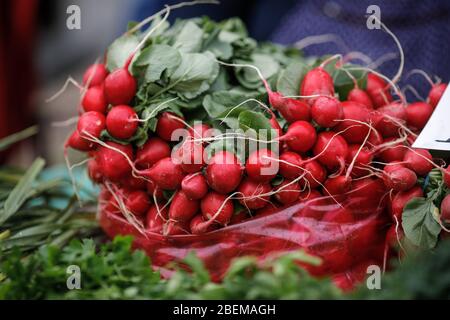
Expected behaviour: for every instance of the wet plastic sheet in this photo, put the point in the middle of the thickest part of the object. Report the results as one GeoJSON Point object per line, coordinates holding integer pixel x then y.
{"type": "Point", "coordinates": [343, 246]}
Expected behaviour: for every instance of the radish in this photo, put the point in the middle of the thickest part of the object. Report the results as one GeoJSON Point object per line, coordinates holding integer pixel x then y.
{"type": "Point", "coordinates": [120, 87]}
{"type": "Point", "coordinates": [290, 109]}
{"type": "Point", "coordinates": [154, 190]}
{"type": "Point", "coordinates": [190, 155]}
{"type": "Point", "coordinates": [340, 215]}
{"type": "Point", "coordinates": [315, 174]}
{"type": "Point", "coordinates": [400, 179]}
{"type": "Point", "coordinates": [94, 171]}
{"type": "Point", "coordinates": [200, 131]}
{"type": "Point", "coordinates": [445, 209]}
{"type": "Point", "coordinates": [199, 225]}
{"type": "Point", "coordinates": [261, 166]}
{"type": "Point", "coordinates": [91, 124]}
{"type": "Point", "coordinates": [155, 219]}
{"type": "Point", "coordinates": [393, 153]}
{"type": "Point", "coordinates": [134, 183]}
{"type": "Point", "coordinates": [95, 75]}
{"type": "Point", "coordinates": [239, 217]}
{"type": "Point", "coordinates": [137, 202]}
{"type": "Point", "coordinates": [317, 82]}
{"type": "Point", "coordinates": [360, 96]}
{"type": "Point", "coordinates": [121, 122]}
{"type": "Point", "coordinates": [419, 161]}
{"type": "Point", "coordinates": [224, 172]}
{"type": "Point", "coordinates": [436, 93]}
{"type": "Point", "coordinates": [337, 185]}
{"type": "Point", "coordinates": [182, 208]}
{"type": "Point", "coordinates": [287, 192]}
{"type": "Point", "coordinates": [166, 174]}
{"type": "Point", "coordinates": [113, 164]}
{"type": "Point", "coordinates": [354, 131]}
{"type": "Point", "coordinates": [418, 114]}
{"type": "Point", "coordinates": [363, 159]}
{"type": "Point", "coordinates": [331, 150]}
{"type": "Point", "coordinates": [76, 142]}
{"type": "Point", "coordinates": [400, 200]}
{"type": "Point", "coordinates": [378, 91]}
{"type": "Point", "coordinates": [217, 208]}
{"type": "Point", "coordinates": [94, 100]}
{"type": "Point", "coordinates": [167, 124]}
{"type": "Point", "coordinates": [253, 194]}
{"type": "Point", "coordinates": [446, 176]}
{"type": "Point", "coordinates": [194, 186]}
{"type": "Point", "coordinates": [375, 138]}
{"type": "Point", "coordinates": [365, 196]}
{"type": "Point", "coordinates": [290, 171]}
{"type": "Point", "coordinates": [174, 228]}
{"type": "Point", "coordinates": [325, 111]}
{"type": "Point", "coordinates": [153, 150]}
{"type": "Point", "coordinates": [389, 119]}
{"type": "Point", "coordinates": [300, 136]}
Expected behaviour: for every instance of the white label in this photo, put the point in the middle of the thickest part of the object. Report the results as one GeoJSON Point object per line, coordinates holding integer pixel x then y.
{"type": "Point", "coordinates": [436, 134]}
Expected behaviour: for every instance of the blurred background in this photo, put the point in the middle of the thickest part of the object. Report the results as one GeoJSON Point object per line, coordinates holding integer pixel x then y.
{"type": "Point", "coordinates": [38, 52]}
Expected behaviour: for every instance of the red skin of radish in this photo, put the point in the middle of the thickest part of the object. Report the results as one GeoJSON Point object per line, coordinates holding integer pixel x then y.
{"type": "Point", "coordinates": [340, 215]}
{"type": "Point", "coordinates": [151, 152]}
{"type": "Point", "coordinates": [378, 91]}
{"type": "Point", "coordinates": [445, 209]}
{"type": "Point", "coordinates": [446, 175]}
{"type": "Point", "coordinates": [120, 87]}
{"type": "Point", "coordinates": [360, 96]}
{"type": "Point", "coordinates": [113, 164]}
{"type": "Point", "coordinates": [134, 183]}
{"type": "Point", "coordinates": [288, 171]}
{"type": "Point", "coordinates": [182, 208]}
{"type": "Point", "coordinates": [200, 131]}
{"type": "Point", "coordinates": [417, 114]}
{"type": "Point", "coordinates": [401, 179]}
{"type": "Point", "coordinates": [385, 125]}
{"type": "Point", "coordinates": [337, 185]}
{"type": "Point", "coordinates": [436, 94]}
{"type": "Point", "coordinates": [300, 136]}
{"type": "Point", "coordinates": [199, 225]}
{"type": "Point", "coordinates": [167, 124]}
{"type": "Point", "coordinates": [166, 174]}
{"type": "Point", "coordinates": [94, 171]}
{"type": "Point", "coordinates": [366, 195]}
{"type": "Point", "coordinates": [326, 110]}
{"type": "Point", "coordinates": [393, 153]}
{"type": "Point", "coordinates": [250, 189]}
{"type": "Point", "coordinates": [239, 217]}
{"type": "Point", "coordinates": [375, 138]}
{"type": "Point", "coordinates": [355, 132]}
{"type": "Point", "coordinates": [259, 168]}
{"type": "Point", "coordinates": [95, 74]}
{"type": "Point", "coordinates": [76, 142]}
{"type": "Point", "coordinates": [224, 172]}
{"type": "Point", "coordinates": [363, 159]}
{"type": "Point", "coordinates": [190, 156]}
{"type": "Point", "coordinates": [414, 160]}
{"type": "Point", "coordinates": [290, 109]}
{"type": "Point", "coordinates": [174, 228]}
{"type": "Point", "coordinates": [317, 82]}
{"type": "Point", "coordinates": [288, 194]}
{"type": "Point", "coordinates": [94, 100]}
{"type": "Point", "coordinates": [335, 153]}
{"type": "Point", "coordinates": [211, 204]}
{"type": "Point", "coordinates": [92, 123]}
{"type": "Point", "coordinates": [400, 200]}
{"type": "Point", "coordinates": [315, 173]}
{"type": "Point", "coordinates": [194, 186]}
{"type": "Point", "coordinates": [154, 191]}
{"type": "Point", "coordinates": [155, 221]}
{"type": "Point", "coordinates": [121, 122]}
{"type": "Point", "coordinates": [393, 166]}
{"type": "Point", "coordinates": [137, 202]}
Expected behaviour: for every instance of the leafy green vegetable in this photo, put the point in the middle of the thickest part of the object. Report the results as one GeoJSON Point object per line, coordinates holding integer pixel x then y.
{"type": "Point", "coordinates": [120, 50]}
{"type": "Point", "coordinates": [190, 38]}
{"type": "Point", "coordinates": [157, 59]}
{"type": "Point", "coordinates": [290, 78]}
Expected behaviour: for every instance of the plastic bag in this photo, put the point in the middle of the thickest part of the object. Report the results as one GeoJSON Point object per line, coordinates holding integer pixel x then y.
{"type": "Point", "coordinates": [312, 226]}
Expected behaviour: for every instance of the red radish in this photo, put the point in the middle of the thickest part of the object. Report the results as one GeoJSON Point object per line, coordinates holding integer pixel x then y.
{"type": "Point", "coordinates": [190, 155]}
{"type": "Point", "coordinates": [194, 186]}
{"type": "Point", "coordinates": [91, 124]}
{"type": "Point", "coordinates": [94, 171]}
{"type": "Point", "coordinates": [174, 228]}
{"type": "Point", "coordinates": [325, 111]}
{"type": "Point", "coordinates": [167, 124]}
{"type": "Point", "coordinates": [239, 217]}
{"type": "Point", "coordinates": [200, 131]}
{"type": "Point", "coordinates": [224, 172]}
{"type": "Point", "coordinates": [417, 114]}
{"type": "Point", "coordinates": [290, 109]}
{"type": "Point", "coordinates": [199, 225]}
{"type": "Point", "coordinates": [76, 142]}
{"type": "Point", "coordinates": [134, 183]}
{"type": "Point", "coordinates": [182, 208]}
{"type": "Point", "coordinates": [267, 211]}
{"type": "Point", "coordinates": [154, 190]}
{"type": "Point", "coordinates": [393, 166]}
{"type": "Point", "coordinates": [216, 206]}
{"type": "Point", "coordinates": [310, 195]}
{"type": "Point", "coordinates": [300, 136]}
{"type": "Point", "coordinates": [333, 149]}
{"type": "Point", "coordinates": [391, 235]}
{"type": "Point", "coordinates": [95, 75]}
{"type": "Point", "coordinates": [137, 202]}
{"type": "Point", "coordinates": [400, 200]}
{"type": "Point", "coordinates": [366, 194]}
{"type": "Point", "coordinates": [153, 150]}
{"type": "Point", "coordinates": [355, 131]}
{"type": "Point", "coordinates": [445, 209]}
{"type": "Point", "coordinates": [290, 171]}
{"type": "Point", "coordinates": [317, 82]}
{"type": "Point", "coordinates": [391, 117]}
{"type": "Point", "coordinates": [337, 185]}
{"type": "Point", "coordinates": [253, 194]}
{"type": "Point", "coordinates": [289, 194]}
{"type": "Point", "coordinates": [261, 166]}
{"type": "Point", "coordinates": [375, 138]}
{"type": "Point", "coordinates": [166, 174]}
{"type": "Point", "coordinates": [120, 87]}
{"type": "Point", "coordinates": [155, 220]}
{"type": "Point", "coordinates": [400, 179]}
{"type": "Point", "coordinates": [121, 122]}
{"type": "Point", "coordinates": [393, 153]}
{"type": "Point", "coordinates": [419, 161]}
{"type": "Point", "coordinates": [378, 91]}
{"type": "Point", "coordinates": [315, 173]}
{"type": "Point", "coordinates": [94, 100]}
{"type": "Point", "coordinates": [363, 159]}
{"type": "Point", "coordinates": [360, 96]}
{"type": "Point", "coordinates": [340, 215]}
{"type": "Point", "coordinates": [436, 93]}
{"type": "Point", "coordinates": [446, 176]}
{"type": "Point", "coordinates": [113, 164]}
